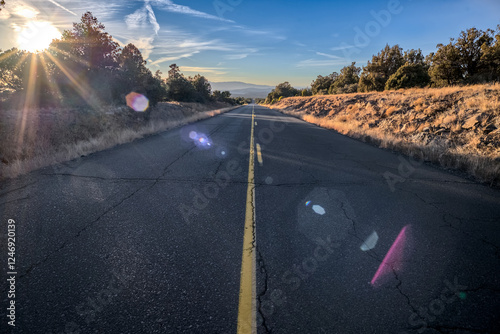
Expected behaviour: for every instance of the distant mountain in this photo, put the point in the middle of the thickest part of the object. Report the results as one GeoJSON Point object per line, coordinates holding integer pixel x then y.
{"type": "Point", "coordinates": [242, 89]}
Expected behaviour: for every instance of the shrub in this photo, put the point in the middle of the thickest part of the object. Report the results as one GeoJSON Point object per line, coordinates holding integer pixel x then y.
{"type": "Point", "coordinates": [408, 76]}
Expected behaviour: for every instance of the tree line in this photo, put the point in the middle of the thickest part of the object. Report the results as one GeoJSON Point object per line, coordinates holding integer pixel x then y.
{"type": "Point", "coordinates": [472, 58]}
{"type": "Point", "coordinates": [86, 67]}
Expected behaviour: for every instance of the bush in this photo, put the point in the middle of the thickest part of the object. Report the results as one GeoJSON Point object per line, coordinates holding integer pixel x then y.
{"type": "Point", "coordinates": [408, 76]}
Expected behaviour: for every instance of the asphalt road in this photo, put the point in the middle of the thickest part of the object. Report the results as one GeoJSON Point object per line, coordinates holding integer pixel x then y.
{"type": "Point", "coordinates": [148, 237]}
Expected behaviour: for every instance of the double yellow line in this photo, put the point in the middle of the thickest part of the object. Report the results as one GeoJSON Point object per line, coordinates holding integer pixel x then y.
{"type": "Point", "coordinates": [247, 323]}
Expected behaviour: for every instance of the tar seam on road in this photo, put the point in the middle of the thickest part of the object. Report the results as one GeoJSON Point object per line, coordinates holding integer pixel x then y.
{"type": "Point", "coordinates": [259, 155]}
{"type": "Point", "coordinates": [247, 323]}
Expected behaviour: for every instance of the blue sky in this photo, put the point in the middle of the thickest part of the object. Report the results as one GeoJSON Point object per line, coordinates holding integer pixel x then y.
{"type": "Point", "coordinates": [257, 41]}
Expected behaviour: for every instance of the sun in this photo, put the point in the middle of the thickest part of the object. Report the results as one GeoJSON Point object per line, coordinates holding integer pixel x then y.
{"type": "Point", "coordinates": [37, 35]}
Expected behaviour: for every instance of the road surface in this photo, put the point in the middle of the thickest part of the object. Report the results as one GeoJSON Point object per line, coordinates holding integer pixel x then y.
{"type": "Point", "coordinates": [251, 221]}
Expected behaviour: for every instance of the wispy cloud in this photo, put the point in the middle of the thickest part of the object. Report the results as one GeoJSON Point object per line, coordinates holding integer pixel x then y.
{"type": "Point", "coordinates": [343, 47]}
{"type": "Point", "coordinates": [61, 6]}
{"type": "Point", "coordinates": [236, 56]}
{"type": "Point", "coordinates": [22, 9]}
{"type": "Point", "coordinates": [212, 45]}
{"type": "Point", "coordinates": [244, 53]}
{"type": "Point", "coordinates": [327, 55]}
{"type": "Point", "coordinates": [196, 69]}
{"type": "Point", "coordinates": [140, 17]}
{"type": "Point", "coordinates": [169, 6]}
{"type": "Point", "coordinates": [145, 44]}
{"type": "Point", "coordinates": [172, 58]}
{"type": "Point", "coordinates": [152, 19]}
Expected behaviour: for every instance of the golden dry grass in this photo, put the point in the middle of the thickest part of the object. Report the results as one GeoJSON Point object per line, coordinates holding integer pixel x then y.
{"type": "Point", "coordinates": [37, 138]}
{"type": "Point", "coordinates": [457, 127]}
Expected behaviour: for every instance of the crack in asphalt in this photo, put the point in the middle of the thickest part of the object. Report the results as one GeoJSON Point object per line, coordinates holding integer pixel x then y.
{"type": "Point", "coordinates": [69, 240]}
{"type": "Point", "coordinates": [127, 179]}
{"type": "Point", "coordinates": [478, 238]}
{"type": "Point", "coordinates": [15, 200]}
{"type": "Point", "coordinates": [16, 189]}
{"type": "Point", "coordinates": [408, 301]}
{"type": "Point", "coordinates": [263, 270]}
{"type": "Point", "coordinates": [342, 207]}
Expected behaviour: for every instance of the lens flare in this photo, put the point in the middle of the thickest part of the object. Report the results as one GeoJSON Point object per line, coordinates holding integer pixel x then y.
{"type": "Point", "coordinates": [393, 260]}
{"type": "Point", "coordinates": [137, 101]}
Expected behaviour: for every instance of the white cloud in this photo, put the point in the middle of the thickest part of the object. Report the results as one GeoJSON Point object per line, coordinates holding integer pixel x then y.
{"type": "Point", "coordinates": [61, 6]}
{"type": "Point", "coordinates": [196, 69]}
{"type": "Point", "coordinates": [4, 14]}
{"type": "Point", "coordinates": [169, 6]}
{"type": "Point", "coordinates": [327, 55]}
{"type": "Point", "coordinates": [172, 58]}
{"type": "Point", "coordinates": [144, 44]}
{"type": "Point", "coordinates": [140, 17]}
{"type": "Point", "coordinates": [22, 9]}
{"type": "Point", "coordinates": [236, 56]}
{"type": "Point", "coordinates": [152, 19]}
{"type": "Point", "coordinates": [342, 47]}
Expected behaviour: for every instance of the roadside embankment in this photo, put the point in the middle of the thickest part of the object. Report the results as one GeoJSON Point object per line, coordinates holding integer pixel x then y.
{"type": "Point", "coordinates": [35, 138]}
{"type": "Point", "coordinates": [456, 127]}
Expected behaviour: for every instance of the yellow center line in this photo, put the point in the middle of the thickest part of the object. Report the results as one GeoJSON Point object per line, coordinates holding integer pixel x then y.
{"type": "Point", "coordinates": [247, 323]}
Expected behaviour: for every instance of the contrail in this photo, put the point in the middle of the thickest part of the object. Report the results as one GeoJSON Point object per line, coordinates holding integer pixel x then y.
{"type": "Point", "coordinates": [66, 9]}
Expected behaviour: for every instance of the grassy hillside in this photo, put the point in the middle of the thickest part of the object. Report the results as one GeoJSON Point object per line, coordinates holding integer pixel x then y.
{"type": "Point", "coordinates": [457, 127]}
{"type": "Point", "coordinates": [34, 138]}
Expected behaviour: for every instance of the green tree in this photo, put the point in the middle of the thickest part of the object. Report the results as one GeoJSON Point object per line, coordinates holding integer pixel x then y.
{"type": "Point", "coordinates": [86, 59]}
{"type": "Point", "coordinates": [202, 88]}
{"type": "Point", "coordinates": [347, 81]}
{"type": "Point", "coordinates": [445, 69]}
{"type": "Point", "coordinates": [414, 57]}
{"type": "Point", "coordinates": [280, 91]}
{"type": "Point", "coordinates": [380, 68]}
{"type": "Point", "coordinates": [409, 75]}
{"type": "Point", "coordinates": [11, 64]}
{"type": "Point", "coordinates": [88, 44]}
{"type": "Point", "coordinates": [322, 84]}
{"type": "Point", "coordinates": [133, 74]}
{"type": "Point", "coordinates": [469, 45]}
{"type": "Point", "coordinates": [26, 79]}
{"type": "Point", "coordinates": [371, 81]}
{"type": "Point", "coordinates": [219, 96]}
{"type": "Point", "coordinates": [180, 89]}
{"type": "Point", "coordinates": [489, 64]}
{"type": "Point", "coordinates": [286, 90]}
{"type": "Point", "coordinates": [305, 92]}
{"type": "Point", "coordinates": [174, 71]}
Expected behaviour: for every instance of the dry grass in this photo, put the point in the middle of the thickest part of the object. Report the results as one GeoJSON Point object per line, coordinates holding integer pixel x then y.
{"type": "Point", "coordinates": [37, 138]}
{"type": "Point", "coordinates": [457, 127]}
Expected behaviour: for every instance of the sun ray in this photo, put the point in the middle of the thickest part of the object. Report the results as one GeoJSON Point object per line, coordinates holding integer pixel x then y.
{"type": "Point", "coordinates": [53, 85]}
{"type": "Point", "coordinates": [69, 55]}
{"type": "Point", "coordinates": [82, 89]}
{"type": "Point", "coordinates": [29, 99]}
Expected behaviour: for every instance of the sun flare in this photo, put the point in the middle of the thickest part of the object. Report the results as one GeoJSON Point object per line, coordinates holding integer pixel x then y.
{"type": "Point", "coordinates": [37, 35]}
